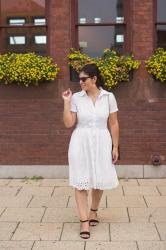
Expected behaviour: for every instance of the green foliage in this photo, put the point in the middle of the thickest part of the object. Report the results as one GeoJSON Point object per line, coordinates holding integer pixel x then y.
{"type": "Point", "coordinates": [156, 65]}
{"type": "Point", "coordinates": [113, 68]}
{"type": "Point", "coordinates": [26, 69]}
{"type": "Point", "coordinates": [34, 178]}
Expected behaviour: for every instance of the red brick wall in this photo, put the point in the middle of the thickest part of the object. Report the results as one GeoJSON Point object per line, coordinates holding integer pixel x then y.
{"type": "Point", "coordinates": [32, 132]}
{"type": "Point", "coordinates": [142, 122]}
{"type": "Point", "coordinates": [31, 128]}
{"type": "Point", "coordinates": [59, 33]}
{"type": "Point", "coordinates": [143, 33]}
{"type": "Point", "coordinates": [142, 103]}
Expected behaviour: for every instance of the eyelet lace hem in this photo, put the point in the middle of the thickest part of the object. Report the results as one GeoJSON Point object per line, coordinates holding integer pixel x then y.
{"type": "Point", "coordinates": [86, 185]}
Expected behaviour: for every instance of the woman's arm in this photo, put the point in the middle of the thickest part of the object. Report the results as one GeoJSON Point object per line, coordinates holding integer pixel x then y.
{"type": "Point", "coordinates": [114, 127]}
{"type": "Point", "coordinates": [69, 118]}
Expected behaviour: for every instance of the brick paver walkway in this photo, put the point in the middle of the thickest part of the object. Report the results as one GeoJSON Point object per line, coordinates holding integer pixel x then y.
{"type": "Point", "coordinates": [42, 215]}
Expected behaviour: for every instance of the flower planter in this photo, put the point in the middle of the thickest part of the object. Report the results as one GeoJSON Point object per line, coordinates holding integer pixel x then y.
{"type": "Point", "coordinates": [74, 76]}
{"type": "Point", "coordinates": [13, 91]}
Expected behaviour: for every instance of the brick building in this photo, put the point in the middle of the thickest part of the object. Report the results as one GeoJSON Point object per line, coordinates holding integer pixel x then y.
{"type": "Point", "coordinates": [31, 128]}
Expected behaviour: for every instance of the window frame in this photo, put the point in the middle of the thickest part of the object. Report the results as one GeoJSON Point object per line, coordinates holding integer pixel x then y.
{"type": "Point", "coordinates": [6, 26]}
{"type": "Point", "coordinates": [157, 23]}
{"type": "Point", "coordinates": [125, 24]}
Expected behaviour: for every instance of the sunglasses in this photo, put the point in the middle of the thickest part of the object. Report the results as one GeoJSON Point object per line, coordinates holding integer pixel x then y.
{"type": "Point", "coordinates": [83, 79]}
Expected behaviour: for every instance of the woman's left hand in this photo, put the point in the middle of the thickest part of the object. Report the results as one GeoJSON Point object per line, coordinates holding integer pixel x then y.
{"type": "Point", "coordinates": [115, 155]}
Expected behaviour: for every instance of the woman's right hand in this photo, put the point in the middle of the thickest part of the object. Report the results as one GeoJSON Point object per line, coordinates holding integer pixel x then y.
{"type": "Point", "coordinates": [67, 94]}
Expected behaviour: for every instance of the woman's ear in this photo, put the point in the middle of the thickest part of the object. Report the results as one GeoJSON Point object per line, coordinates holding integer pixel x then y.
{"type": "Point", "coordinates": [95, 78]}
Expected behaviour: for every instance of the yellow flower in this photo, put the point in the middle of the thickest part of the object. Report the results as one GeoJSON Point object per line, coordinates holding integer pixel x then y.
{"type": "Point", "coordinates": [26, 68]}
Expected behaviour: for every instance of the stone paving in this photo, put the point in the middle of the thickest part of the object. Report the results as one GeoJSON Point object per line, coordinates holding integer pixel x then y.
{"type": "Point", "coordinates": [42, 215]}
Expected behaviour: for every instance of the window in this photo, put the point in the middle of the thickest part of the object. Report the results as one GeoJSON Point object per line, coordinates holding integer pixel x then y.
{"type": "Point", "coordinates": [40, 39]}
{"type": "Point", "coordinates": [13, 40]}
{"type": "Point", "coordinates": [16, 21]}
{"type": "Point", "coordinates": [92, 40]}
{"type": "Point", "coordinates": [39, 21]}
{"type": "Point", "coordinates": [161, 23]}
{"type": "Point", "coordinates": [100, 25]}
{"type": "Point", "coordinates": [28, 36]}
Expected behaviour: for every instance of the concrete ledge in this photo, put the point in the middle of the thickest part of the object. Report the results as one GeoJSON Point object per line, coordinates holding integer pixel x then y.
{"type": "Point", "coordinates": [129, 171]}
{"type": "Point", "coordinates": [46, 171]}
{"type": "Point", "coordinates": [61, 171]}
{"type": "Point", "coordinates": [154, 171]}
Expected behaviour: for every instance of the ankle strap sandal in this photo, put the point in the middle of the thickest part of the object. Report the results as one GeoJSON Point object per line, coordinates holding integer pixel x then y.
{"type": "Point", "coordinates": [94, 210]}
{"type": "Point", "coordinates": [84, 234]}
{"type": "Point", "coordinates": [93, 222]}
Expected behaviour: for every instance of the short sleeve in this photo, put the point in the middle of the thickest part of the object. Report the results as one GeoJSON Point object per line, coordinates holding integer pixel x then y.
{"type": "Point", "coordinates": [73, 106]}
{"type": "Point", "coordinates": [112, 103]}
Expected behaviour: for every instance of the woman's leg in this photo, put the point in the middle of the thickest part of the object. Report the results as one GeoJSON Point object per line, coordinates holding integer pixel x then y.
{"type": "Point", "coordinates": [81, 197]}
{"type": "Point", "coordinates": [96, 198]}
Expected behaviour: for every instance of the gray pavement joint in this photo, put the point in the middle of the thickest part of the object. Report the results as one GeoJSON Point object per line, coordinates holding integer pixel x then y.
{"type": "Point", "coordinates": [158, 190]}
{"type": "Point", "coordinates": [19, 190]}
{"type": "Point", "coordinates": [137, 181]}
{"type": "Point", "coordinates": [137, 245]}
{"type": "Point", "coordinates": [106, 201]}
{"type": "Point", "coordinates": [123, 191]}
{"type": "Point", "coordinates": [30, 201]}
{"type": "Point", "coordinates": [128, 214]}
{"type": "Point", "coordinates": [61, 231]}
{"type": "Point", "coordinates": [52, 191]}
{"type": "Point", "coordinates": [109, 225]}
{"type": "Point", "coordinates": [3, 211]}
{"type": "Point", "coordinates": [157, 231]}
{"type": "Point", "coordinates": [43, 214]}
{"type": "Point", "coordinates": [68, 201]}
{"type": "Point", "coordinates": [145, 201]}
{"type": "Point", "coordinates": [15, 230]}
{"type": "Point", "coordinates": [33, 245]}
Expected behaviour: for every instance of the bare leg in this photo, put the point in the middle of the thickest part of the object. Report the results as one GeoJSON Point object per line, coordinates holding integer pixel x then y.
{"type": "Point", "coordinates": [81, 197]}
{"type": "Point", "coordinates": [96, 197]}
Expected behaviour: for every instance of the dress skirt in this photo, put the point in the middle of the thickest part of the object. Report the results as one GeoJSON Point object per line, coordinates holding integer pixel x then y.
{"type": "Point", "coordinates": [90, 159]}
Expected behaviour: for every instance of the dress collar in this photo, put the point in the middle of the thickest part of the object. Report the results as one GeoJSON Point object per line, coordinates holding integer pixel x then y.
{"type": "Point", "coordinates": [102, 92]}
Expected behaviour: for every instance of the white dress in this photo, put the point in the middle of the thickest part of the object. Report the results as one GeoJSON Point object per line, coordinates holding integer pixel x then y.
{"type": "Point", "coordinates": [90, 148]}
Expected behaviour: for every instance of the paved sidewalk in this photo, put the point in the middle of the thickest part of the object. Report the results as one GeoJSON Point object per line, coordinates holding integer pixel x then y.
{"type": "Point", "coordinates": [42, 215]}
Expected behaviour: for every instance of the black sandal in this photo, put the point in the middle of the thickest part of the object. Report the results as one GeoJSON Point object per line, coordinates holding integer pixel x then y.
{"type": "Point", "coordinates": [84, 232]}
{"type": "Point", "coordinates": [92, 221]}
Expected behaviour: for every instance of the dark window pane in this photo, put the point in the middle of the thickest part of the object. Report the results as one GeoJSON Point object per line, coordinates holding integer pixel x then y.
{"type": "Point", "coordinates": [92, 40]}
{"type": "Point", "coordinates": [161, 36]}
{"type": "Point", "coordinates": [96, 11]}
{"type": "Point", "coordinates": [161, 10]}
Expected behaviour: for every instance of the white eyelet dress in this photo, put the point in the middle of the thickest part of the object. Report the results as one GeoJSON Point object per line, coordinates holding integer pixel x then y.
{"type": "Point", "coordinates": [90, 148]}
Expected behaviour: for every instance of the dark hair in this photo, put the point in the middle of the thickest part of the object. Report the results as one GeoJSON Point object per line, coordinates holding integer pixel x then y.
{"type": "Point", "coordinates": [92, 70]}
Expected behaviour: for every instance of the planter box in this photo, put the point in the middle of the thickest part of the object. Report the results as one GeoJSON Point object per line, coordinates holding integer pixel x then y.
{"type": "Point", "coordinates": [43, 90]}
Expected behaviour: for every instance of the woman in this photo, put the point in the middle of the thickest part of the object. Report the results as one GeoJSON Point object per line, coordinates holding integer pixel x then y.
{"type": "Point", "coordinates": [90, 150]}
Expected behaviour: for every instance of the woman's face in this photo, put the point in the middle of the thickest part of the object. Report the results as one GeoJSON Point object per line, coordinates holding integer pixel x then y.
{"type": "Point", "coordinates": [87, 83]}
